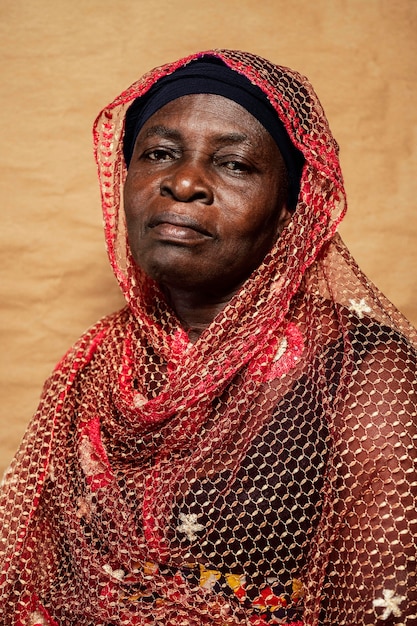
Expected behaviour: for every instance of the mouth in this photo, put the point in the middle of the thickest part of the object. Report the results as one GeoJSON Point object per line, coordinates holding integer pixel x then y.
{"type": "Point", "coordinates": [179, 229]}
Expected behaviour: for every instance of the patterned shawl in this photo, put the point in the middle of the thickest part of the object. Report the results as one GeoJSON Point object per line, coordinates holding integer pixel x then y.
{"type": "Point", "coordinates": [265, 474]}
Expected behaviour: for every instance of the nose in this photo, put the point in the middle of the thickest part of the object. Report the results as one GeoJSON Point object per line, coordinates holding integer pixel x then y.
{"type": "Point", "coordinates": [187, 181]}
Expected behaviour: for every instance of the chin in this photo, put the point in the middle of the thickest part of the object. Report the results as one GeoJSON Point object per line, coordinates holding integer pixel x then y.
{"type": "Point", "coordinates": [171, 271]}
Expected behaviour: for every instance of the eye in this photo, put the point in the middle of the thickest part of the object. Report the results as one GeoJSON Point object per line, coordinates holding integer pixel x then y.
{"type": "Point", "coordinates": [236, 166]}
{"type": "Point", "coordinates": [233, 163]}
{"type": "Point", "coordinates": [159, 154]}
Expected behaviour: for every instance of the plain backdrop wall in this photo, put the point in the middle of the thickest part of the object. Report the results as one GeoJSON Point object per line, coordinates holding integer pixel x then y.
{"type": "Point", "coordinates": [62, 61]}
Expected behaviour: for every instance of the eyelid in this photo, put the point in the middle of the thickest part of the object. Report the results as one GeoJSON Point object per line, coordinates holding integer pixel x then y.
{"type": "Point", "coordinates": [162, 149]}
{"type": "Point", "coordinates": [155, 143]}
{"type": "Point", "coordinates": [239, 159]}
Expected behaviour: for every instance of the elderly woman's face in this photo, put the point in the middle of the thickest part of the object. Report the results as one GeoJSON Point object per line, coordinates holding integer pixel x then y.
{"type": "Point", "coordinates": [203, 195]}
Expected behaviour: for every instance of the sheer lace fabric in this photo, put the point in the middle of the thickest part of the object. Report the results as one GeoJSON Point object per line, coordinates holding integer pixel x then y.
{"type": "Point", "coordinates": [265, 474]}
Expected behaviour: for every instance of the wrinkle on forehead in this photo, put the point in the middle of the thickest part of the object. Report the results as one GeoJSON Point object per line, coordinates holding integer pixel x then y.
{"type": "Point", "coordinates": [166, 132]}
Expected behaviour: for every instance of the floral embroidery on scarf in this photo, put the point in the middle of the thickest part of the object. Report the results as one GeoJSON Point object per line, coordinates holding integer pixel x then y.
{"type": "Point", "coordinates": [93, 457]}
{"type": "Point", "coordinates": [84, 508]}
{"type": "Point", "coordinates": [285, 352]}
{"type": "Point", "coordinates": [189, 526]}
{"type": "Point", "coordinates": [139, 400]}
{"type": "Point", "coordinates": [118, 574]}
{"type": "Point", "coordinates": [35, 614]}
{"type": "Point", "coordinates": [390, 603]}
{"type": "Point", "coordinates": [38, 619]}
{"type": "Point", "coordinates": [180, 343]}
{"type": "Point", "coordinates": [359, 307]}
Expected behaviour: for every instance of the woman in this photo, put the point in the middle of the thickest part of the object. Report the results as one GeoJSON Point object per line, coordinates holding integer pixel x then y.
{"type": "Point", "coordinates": [236, 445]}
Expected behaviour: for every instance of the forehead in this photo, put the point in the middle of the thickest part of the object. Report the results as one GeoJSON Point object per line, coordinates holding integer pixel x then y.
{"type": "Point", "coordinates": [205, 113]}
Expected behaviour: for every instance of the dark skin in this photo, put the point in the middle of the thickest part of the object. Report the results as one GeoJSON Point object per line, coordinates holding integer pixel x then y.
{"type": "Point", "coordinates": [205, 200]}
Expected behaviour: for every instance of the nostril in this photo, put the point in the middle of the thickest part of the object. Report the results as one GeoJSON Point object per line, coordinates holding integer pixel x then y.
{"type": "Point", "coordinates": [165, 189]}
{"type": "Point", "coordinates": [186, 188]}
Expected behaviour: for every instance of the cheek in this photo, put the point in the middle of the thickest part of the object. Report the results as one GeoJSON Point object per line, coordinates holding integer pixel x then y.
{"type": "Point", "coordinates": [134, 203]}
{"type": "Point", "coordinates": [260, 219]}
{"type": "Point", "coordinates": [128, 200]}
{"type": "Point", "coordinates": [134, 222]}
{"type": "Point", "coordinates": [135, 187]}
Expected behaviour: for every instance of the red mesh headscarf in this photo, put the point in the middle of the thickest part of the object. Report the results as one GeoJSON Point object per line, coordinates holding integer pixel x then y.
{"type": "Point", "coordinates": [265, 474]}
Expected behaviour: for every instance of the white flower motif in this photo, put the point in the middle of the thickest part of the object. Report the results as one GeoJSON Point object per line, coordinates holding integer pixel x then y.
{"type": "Point", "coordinates": [390, 603]}
{"type": "Point", "coordinates": [282, 348]}
{"type": "Point", "coordinates": [359, 307]}
{"type": "Point", "coordinates": [89, 462]}
{"type": "Point", "coordinates": [118, 574]}
{"type": "Point", "coordinates": [37, 619]}
{"type": "Point", "coordinates": [139, 400]}
{"type": "Point", "coordinates": [85, 508]}
{"type": "Point", "coordinates": [189, 525]}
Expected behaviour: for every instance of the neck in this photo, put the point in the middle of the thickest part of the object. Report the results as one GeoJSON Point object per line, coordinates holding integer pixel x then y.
{"type": "Point", "coordinates": [196, 311]}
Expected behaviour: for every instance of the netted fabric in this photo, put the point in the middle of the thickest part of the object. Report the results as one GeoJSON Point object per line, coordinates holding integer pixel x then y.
{"type": "Point", "coordinates": [265, 474]}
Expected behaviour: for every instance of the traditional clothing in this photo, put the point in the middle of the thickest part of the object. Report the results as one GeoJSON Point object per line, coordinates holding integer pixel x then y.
{"type": "Point", "coordinates": [265, 474]}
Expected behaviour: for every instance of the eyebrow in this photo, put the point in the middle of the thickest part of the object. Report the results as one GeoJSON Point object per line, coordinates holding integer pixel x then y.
{"type": "Point", "coordinates": [162, 131]}
{"type": "Point", "coordinates": [175, 135]}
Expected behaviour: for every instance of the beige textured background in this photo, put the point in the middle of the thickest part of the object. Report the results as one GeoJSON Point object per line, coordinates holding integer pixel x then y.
{"type": "Point", "coordinates": [63, 60]}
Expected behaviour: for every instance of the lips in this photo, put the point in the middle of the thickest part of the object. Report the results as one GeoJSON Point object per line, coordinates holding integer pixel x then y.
{"type": "Point", "coordinates": [175, 228]}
